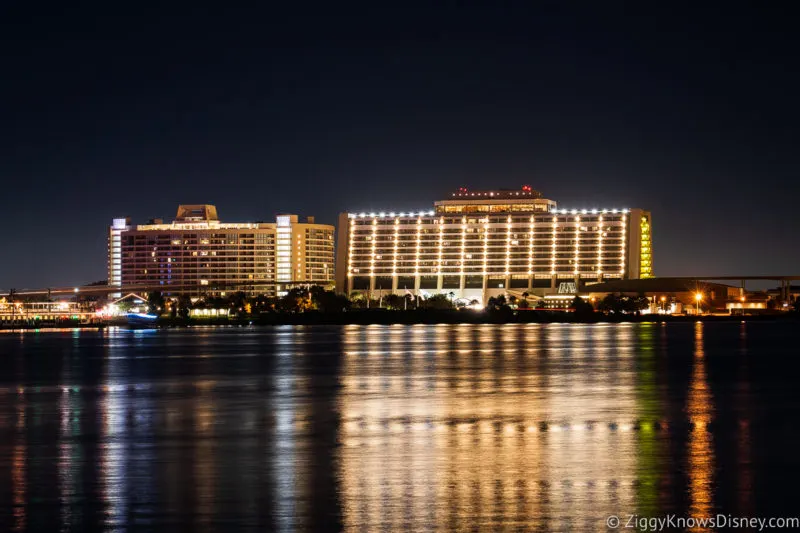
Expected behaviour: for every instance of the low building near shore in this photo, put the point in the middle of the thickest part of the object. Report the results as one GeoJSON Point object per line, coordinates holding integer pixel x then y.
{"type": "Point", "coordinates": [209, 313]}
{"type": "Point", "coordinates": [676, 296]}
{"type": "Point", "coordinates": [793, 293]}
{"type": "Point", "coordinates": [20, 311]}
{"type": "Point", "coordinates": [130, 303]}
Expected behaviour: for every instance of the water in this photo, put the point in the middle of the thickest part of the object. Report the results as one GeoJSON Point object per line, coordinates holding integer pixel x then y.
{"type": "Point", "coordinates": [387, 428]}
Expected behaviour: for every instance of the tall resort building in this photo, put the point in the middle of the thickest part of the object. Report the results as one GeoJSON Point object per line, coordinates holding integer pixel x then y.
{"type": "Point", "coordinates": [196, 254]}
{"type": "Point", "coordinates": [478, 244]}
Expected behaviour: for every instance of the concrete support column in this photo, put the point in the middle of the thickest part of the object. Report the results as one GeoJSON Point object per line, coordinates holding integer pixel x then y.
{"type": "Point", "coordinates": [416, 284]}
{"type": "Point", "coordinates": [439, 280]}
{"type": "Point", "coordinates": [553, 282]}
{"type": "Point", "coordinates": [530, 282]}
{"type": "Point", "coordinates": [394, 283]}
{"type": "Point", "coordinates": [461, 283]}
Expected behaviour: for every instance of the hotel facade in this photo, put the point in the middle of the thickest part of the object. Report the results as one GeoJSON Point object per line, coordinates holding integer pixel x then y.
{"type": "Point", "coordinates": [197, 254]}
{"type": "Point", "coordinates": [478, 244]}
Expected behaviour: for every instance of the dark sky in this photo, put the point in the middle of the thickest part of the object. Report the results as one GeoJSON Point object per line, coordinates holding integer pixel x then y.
{"type": "Point", "coordinates": [108, 111]}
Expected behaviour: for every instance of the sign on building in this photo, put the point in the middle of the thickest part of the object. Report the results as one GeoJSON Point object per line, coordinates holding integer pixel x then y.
{"type": "Point", "coordinates": [567, 287]}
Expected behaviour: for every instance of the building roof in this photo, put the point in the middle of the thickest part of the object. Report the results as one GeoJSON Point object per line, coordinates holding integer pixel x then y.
{"type": "Point", "coordinates": [196, 213]}
{"type": "Point", "coordinates": [496, 194]}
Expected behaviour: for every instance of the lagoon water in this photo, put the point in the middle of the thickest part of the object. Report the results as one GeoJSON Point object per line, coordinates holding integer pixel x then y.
{"type": "Point", "coordinates": [520, 427]}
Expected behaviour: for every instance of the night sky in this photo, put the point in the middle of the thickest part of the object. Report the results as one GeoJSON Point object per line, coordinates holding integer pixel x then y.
{"type": "Point", "coordinates": [317, 109]}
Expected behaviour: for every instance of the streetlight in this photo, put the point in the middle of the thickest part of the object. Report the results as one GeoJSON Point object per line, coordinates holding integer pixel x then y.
{"type": "Point", "coordinates": [664, 304]}
{"type": "Point", "coordinates": [697, 297]}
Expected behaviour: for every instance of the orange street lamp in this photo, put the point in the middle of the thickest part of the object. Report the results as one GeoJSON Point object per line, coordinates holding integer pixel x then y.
{"type": "Point", "coordinates": [698, 297]}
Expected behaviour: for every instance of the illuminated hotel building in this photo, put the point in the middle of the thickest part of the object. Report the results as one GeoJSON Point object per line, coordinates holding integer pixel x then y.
{"type": "Point", "coordinates": [197, 254]}
{"type": "Point", "coordinates": [118, 225]}
{"type": "Point", "coordinates": [478, 244]}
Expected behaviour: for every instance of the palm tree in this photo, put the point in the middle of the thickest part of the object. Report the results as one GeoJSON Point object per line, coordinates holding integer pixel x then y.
{"type": "Point", "coordinates": [184, 305]}
{"type": "Point", "coordinates": [155, 302]}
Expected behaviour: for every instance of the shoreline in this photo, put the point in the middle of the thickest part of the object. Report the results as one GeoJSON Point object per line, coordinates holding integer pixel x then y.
{"type": "Point", "coordinates": [428, 316]}
{"type": "Point", "coordinates": [456, 317]}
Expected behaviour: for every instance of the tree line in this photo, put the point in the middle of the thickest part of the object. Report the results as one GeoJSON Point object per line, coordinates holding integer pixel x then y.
{"type": "Point", "coordinates": [317, 298]}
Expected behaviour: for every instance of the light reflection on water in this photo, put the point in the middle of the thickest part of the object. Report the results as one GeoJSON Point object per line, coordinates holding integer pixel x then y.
{"type": "Point", "coordinates": [701, 453]}
{"type": "Point", "coordinates": [373, 428]}
{"type": "Point", "coordinates": [494, 441]}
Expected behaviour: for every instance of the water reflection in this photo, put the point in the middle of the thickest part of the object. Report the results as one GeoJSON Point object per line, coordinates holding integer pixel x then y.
{"type": "Point", "coordinates": [512, 426]}
{"type": "Point", "coordinates": [284, 461]}
{"type": "Point", "coordinates": [447, 427]}
{"type": "Point", "coordinates": [19, 470]}
{"type": "Point", "coordinates": [114, 456]}
{"type": "Point", "coordinates": [744, 436]}
{"type": "Point", "coordinates": [701, 452]}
